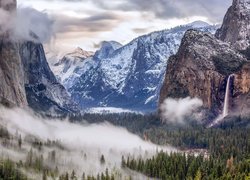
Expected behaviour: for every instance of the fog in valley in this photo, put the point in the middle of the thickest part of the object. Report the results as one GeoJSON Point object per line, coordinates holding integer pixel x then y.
{"type": "Point", "coordinates": [78, 146]}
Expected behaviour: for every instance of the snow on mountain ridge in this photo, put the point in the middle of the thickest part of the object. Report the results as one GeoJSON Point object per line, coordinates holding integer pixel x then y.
{"type": "Point", "coordinates": [130, 75]}
{"type": "Point", "coordinates": [66, 65]}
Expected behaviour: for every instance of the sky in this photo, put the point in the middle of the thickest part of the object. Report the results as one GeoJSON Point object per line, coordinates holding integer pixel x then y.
{"type": "Point", "coordinates": [86, 23]}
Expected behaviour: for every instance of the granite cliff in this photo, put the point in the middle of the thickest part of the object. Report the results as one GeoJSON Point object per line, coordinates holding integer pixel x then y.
{"type": "Point", "coordinates": [25, 76]}
{"type": "Point", "coordinates": [203, 63]}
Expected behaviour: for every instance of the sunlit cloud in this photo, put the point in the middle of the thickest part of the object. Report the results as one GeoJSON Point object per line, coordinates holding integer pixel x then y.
{"type": "Point", "coordinates": [93, 21]}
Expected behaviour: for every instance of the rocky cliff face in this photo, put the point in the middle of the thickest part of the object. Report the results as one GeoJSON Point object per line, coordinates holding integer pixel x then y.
{"type": "Point", "coordinates": [203, 63]}
{"type": "Point", "coordinates": [241, 91]}
{"type": "Point", "coordinates": [25, 76]}
{"type": "Point", "coordinates": [236, 25]}
{"type": "Point", "coordinates": [12, 90]}
{"type": "Point", "coordinates": [8, 5]}
{"type": "Point", "coordinates": [44, 92]}
{"type": "Point", "coordinates": [11, 70]}
{"type": "Point", "coordinates": [200, 69]}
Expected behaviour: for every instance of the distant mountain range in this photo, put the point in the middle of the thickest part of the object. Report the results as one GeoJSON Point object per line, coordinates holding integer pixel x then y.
{"type": "Point", "coordinates": [128, 76]}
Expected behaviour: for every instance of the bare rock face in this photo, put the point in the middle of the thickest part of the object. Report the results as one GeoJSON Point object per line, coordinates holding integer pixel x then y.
{"type": "Point", "coordinates": [200, 69]}
{"type": "Point", "coordinates": [12, 90]}
{"type": "Point", "coordinates": [236, 25]}
{"type": "Point", "coordinates": [241, 91]}
{"type": "Point", "coordinates": [25, 76]}
{"type": "Point", "coordinates": [8, 5]}
{"type": "Point", "coordinates": [44, 93]}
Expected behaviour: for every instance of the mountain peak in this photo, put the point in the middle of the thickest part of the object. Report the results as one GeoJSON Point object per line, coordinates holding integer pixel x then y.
{"type": "Point", "coordinates": [241, 3]}
{"type": "Point", "coordinates": [114, 44]}
{"type": "Point", "coordinates": [236, 25]}
{"type": "Point", "coordinates": [79, 52]}
{"type": "Point", "coordinates": [198, 24]}
{"type": "Point", "coordinates": [107, 48]}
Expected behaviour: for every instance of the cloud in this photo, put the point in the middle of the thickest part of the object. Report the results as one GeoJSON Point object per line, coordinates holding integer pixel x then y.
{"type": "Point", "coordinates": [26, 24]}
{"type": "Point", "coordinates": [78, 139]}
{"type": "Point", "coordinates": [84, 22]}
{"type": "Point", "coordinates": [140, 30]}
{"type": "Point", "coordinates": [97, 23]}
{"type": "Point", "coordinates": [175, 110]}
{"type": "Point", "coordinates": [214, 10]}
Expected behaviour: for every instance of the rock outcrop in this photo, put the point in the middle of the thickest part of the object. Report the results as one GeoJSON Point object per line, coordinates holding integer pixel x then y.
{"type": "Point", "coordinates": [200, 69]}
{"type": "Point", "coordinates": [241, 91]}
{"type": "Point", "coordinates": [203, 63]}
{"type": "Point", "coordinates": [236, 25]}
{"type": "Point", "coordinates": [8, 5]}
{"type": "Point", "coordinates": [44, 93]}
{"type": "Point", "coordinates": [25, 76]}
{"type": "Point", "coordinates": [12, 90]}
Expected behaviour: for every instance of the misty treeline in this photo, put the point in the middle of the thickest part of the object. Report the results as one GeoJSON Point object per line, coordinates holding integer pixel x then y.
{"type": "Point", "coordinates": [9, 170]}
{"type": "Point", "coordinates": [228, 147]}
{"type": "Point", "coordinates": [38, 162]}
{"type": "Point", "coordinates": [229, 143]}
{"type": "Point", "coordinates": [99, 176]}
{"type": "Point", "coordinates": [229, 138]}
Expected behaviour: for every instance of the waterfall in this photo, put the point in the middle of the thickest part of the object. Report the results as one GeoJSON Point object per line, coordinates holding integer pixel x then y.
{"type": "Point", "coordinates": [227, 96]}
{"type": "Point", "coordinates": [225, 106]}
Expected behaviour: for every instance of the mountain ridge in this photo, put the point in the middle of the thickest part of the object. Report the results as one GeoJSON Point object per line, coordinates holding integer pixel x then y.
{"type": "Point", "coordinates": [116, 75]}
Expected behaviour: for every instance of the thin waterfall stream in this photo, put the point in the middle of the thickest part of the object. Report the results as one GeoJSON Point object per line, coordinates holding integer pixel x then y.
{"type": "Point", "coordinates": [227, 96]}
{"type": "Point", "coordinates": [226, 103]}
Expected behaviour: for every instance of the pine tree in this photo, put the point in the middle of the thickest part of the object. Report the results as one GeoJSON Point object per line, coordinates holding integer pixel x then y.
{"type": "Point", "coordinates": [102, 159]}
{"type": "Point", "coordinates": [83, 176]}
{"type": "Point", "coordinates": [73, 175]}
{"type": "Point", "coordinates": [44, 175]}
{"type": "Point", "coordinates": [198, 175]}
{"type": "Point", "coordinates": [20, 141]}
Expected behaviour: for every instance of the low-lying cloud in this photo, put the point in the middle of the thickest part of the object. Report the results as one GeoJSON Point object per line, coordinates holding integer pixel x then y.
{"type": "Point", "coordinates": [176, 110]}
{"type": "Point", "coordinates": [26, 24]}
{"type": "Point", "coordinates": [79, 139]}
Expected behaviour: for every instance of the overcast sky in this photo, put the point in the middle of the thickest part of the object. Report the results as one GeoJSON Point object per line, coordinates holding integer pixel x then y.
{"type": "Point", "coordinates": [86, 23]}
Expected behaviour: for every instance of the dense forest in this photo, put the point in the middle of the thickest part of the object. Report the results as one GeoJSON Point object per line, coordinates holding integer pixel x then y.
{"type": "Point", "coordinates": [181, 166]}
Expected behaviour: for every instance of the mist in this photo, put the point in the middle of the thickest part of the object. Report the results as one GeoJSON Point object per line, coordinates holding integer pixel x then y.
{"type": "Point", "coordinates": [176, 110]}
{"type": "Point", "coordinates": [27, 24]}
{"type": "Point", "coordinates": [84, 143]}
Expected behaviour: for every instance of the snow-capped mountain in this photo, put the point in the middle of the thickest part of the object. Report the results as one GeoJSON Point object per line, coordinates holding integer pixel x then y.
{"type": "Point", "coordinates": [128, 76]}
{"type": "Point", "coordinates": [68, 63]}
